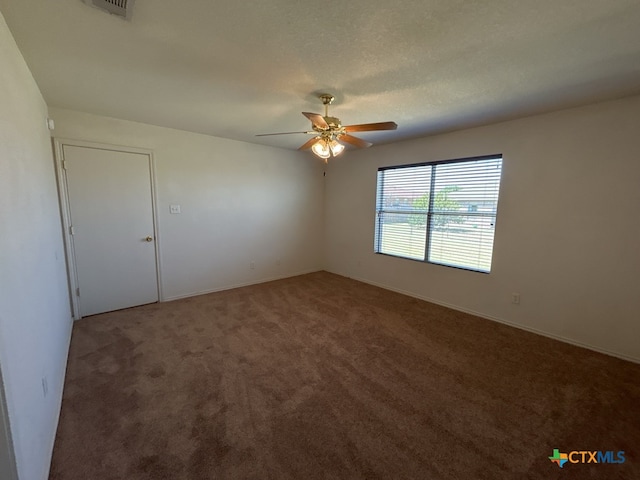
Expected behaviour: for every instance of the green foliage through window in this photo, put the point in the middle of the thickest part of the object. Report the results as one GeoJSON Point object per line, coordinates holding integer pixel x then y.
{"type": "Point", "coordinates": [442, 202]}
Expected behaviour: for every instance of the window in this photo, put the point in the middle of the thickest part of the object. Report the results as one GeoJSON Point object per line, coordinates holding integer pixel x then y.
{"type": "Point", "coordinates": [439, 212]}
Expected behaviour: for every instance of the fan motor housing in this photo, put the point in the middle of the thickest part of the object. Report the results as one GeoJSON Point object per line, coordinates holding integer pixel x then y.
{"type": "Point", "coordinates": [333, 122]}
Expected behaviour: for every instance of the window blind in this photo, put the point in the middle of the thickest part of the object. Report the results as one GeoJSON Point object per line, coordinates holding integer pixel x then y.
{"type": "Point", "coordinates": [439, 212]}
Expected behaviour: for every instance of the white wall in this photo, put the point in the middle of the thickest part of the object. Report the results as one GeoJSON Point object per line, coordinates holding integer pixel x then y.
{"type": "Point", "coordinates": [567, 232]}
{"type": "Point", "coordinates": [35, 317]}
{"type": "Point", "coordinates": [241, 203]}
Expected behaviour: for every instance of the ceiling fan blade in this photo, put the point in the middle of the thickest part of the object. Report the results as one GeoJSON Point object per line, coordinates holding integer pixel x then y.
{"type": "Point", "coordinates": [369, 127]}
{"type": "Point", "coordinates": [317, 120]}
{"type": "Point", "coordinates": [358, 142]}
{"type": "Point", "coordinates": [308, 144]}
{"type": "Point", "coordinates": [283, 133]}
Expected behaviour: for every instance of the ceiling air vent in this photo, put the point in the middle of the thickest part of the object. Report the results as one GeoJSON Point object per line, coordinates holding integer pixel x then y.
{"type": "Point", "coordinates": [120, 8]}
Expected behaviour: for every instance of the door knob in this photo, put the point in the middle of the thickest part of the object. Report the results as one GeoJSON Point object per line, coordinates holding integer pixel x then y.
{"type": "Point", "coordinates": [149, 239]}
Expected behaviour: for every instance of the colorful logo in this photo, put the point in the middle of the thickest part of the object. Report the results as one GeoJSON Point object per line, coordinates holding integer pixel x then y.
{"type": "Point", "coordinates": [586, 456]}
{"type": "Point", "coordinates": [559, 458]}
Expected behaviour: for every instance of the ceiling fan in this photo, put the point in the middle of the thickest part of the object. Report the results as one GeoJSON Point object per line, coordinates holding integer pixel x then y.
{"type": "Point", "coordinates": [328, 132]}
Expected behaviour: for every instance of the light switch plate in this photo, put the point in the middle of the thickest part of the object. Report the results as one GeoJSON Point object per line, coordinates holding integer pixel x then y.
{"type": "Point", "coordinates": [174, 208]}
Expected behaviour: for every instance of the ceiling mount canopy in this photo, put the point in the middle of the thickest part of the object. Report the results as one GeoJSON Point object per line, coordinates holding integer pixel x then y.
{"type": "Point", "coordinates": [329, 133]}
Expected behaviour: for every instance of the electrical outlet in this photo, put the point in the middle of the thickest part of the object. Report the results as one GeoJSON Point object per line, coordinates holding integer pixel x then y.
{"type": "Point", "coordinates": [515, 298]}
{"type": "Point", "coordinates": [174, 209]}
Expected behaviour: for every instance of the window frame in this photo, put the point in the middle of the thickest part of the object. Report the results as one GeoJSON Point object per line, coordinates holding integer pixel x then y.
{"type": "Point", "coordinates": [430, 213]}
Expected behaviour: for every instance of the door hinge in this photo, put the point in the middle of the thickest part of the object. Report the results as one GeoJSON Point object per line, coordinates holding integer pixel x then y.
{"type": "Point", "coordinates": [77, 292]}
{"type": "Point", "coordinates": [64, 164]}
{"type": "Point", "coordinates": [72, 230]}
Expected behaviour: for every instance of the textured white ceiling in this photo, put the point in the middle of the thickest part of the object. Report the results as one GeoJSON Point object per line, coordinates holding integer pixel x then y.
{"type": "Point", "coordinates": [238, 68]}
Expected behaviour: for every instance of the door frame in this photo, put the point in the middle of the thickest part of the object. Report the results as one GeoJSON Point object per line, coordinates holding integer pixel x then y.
{"type": "Point", "coordinates": [8, 465]}
{"type": "Point", "coordinates": [65, 211]}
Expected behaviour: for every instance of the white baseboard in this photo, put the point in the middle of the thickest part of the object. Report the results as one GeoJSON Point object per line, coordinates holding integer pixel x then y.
{"type": "Point", "coordinates": [238, 285]}
{"type": "Point", "coordinates": [499, 320]}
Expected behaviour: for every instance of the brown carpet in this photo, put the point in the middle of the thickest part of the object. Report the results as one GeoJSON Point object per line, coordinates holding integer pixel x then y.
{"type": "Point", "coordinates": [323, 377]}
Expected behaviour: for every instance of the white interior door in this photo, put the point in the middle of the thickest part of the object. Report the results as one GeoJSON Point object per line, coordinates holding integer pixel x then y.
{"type": "Point", "coordinates": [110, 208]}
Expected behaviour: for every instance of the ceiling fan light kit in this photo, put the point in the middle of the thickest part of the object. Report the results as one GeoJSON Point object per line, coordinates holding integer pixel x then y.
{"type": "Point", "coordinates": [328, 132]}
{"type": "Point", "coordinates": [321, 148]}
{"type": "Point", "coordinates": [336, 148]}
{"type": "Point", "coordinates": [327, 147]}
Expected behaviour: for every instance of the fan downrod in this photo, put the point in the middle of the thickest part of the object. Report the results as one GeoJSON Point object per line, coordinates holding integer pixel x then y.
{"type": "Point", "coordinates": [327, 99]}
